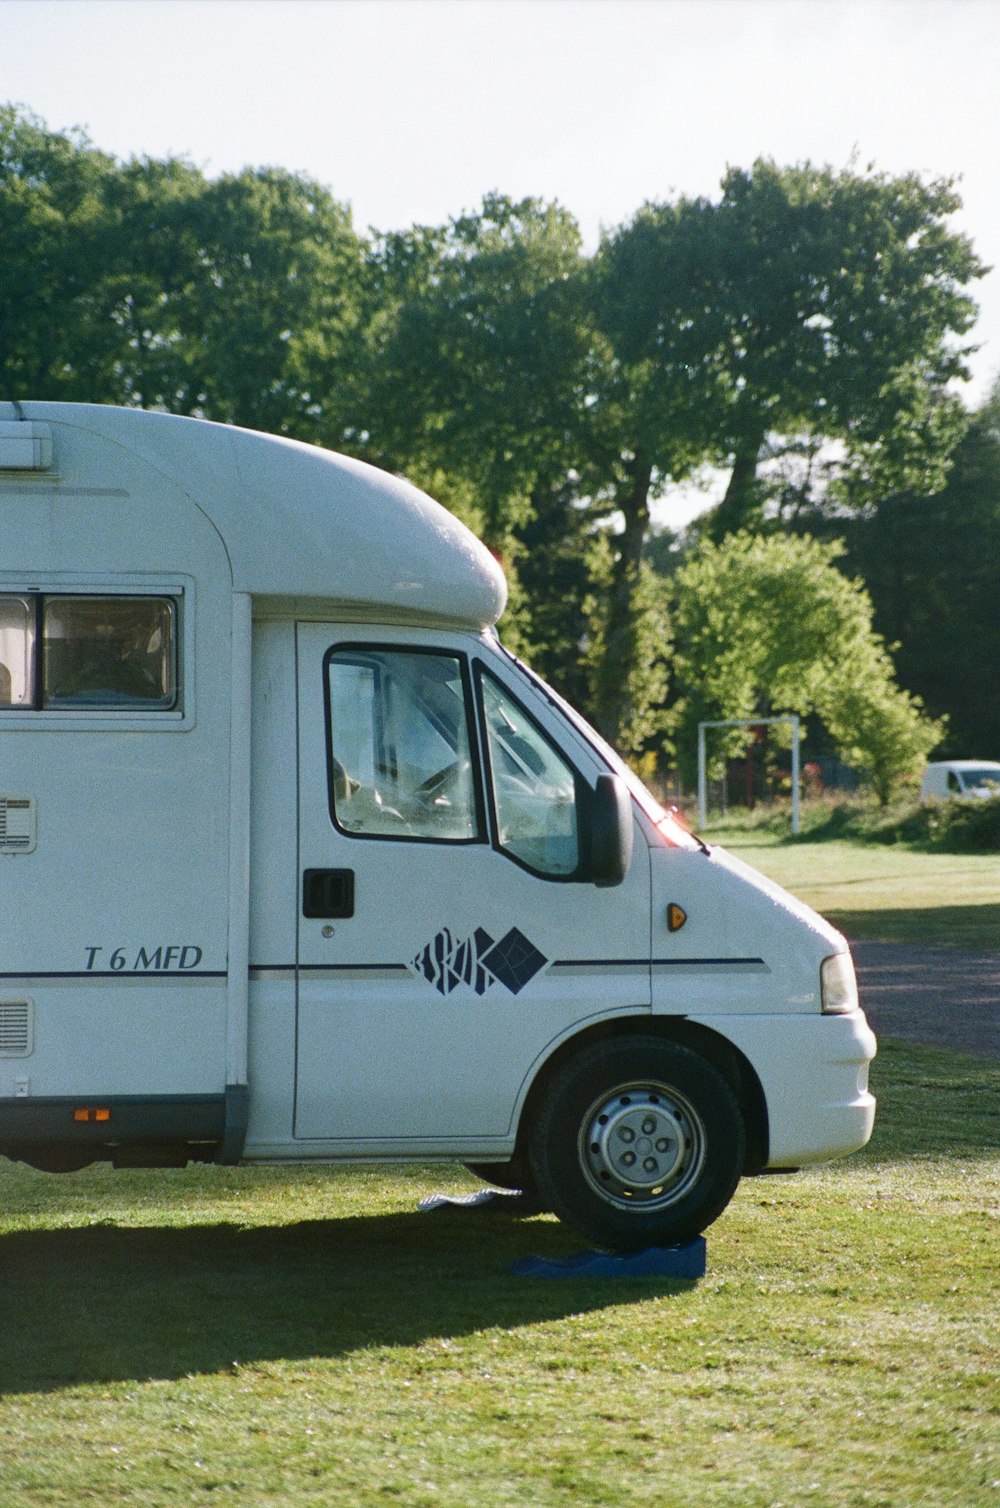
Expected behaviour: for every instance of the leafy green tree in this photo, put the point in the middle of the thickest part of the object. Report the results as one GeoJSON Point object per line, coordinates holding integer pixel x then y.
{"type": "Point", "coordinates": [486, 366]}
{"type": "Point", "coordinates": [563, 573]}
{"type": "Point", "coordinates": [631, 672]}
{"type": "Point", "coordinates": [544, 396]}
{"type": "Point", "coordinates": [52, 257]}
{"type": "Point", "coordinates": [650, 423]}
{"type": "Point", "coordinates": [144, 283]}
{"type": "Point", "coordinates": [477, 359]}
{"type": "Point", "coordinates": [876, 726]}
{"type": "Point", "coordinates": [932, 567]}
{"type": "Point", "coordinates": [805, 306]}
{"type": "Point", "coordinates": [481, 321]}
{"type": "Point", "coordinates": [845, 293]}
{"type": "Point", "coordinates": [767, 625]}
{"type": "Point", "coordinates": [269, 320]}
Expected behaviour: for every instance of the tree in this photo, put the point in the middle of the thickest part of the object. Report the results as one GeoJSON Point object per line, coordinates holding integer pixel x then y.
{"type": "Point", "coordinates": [269, 318]}
{"type": "Point", "coordinates": [545, 397]}
{"type": "Point", "coordinates": [650, 423]}
{"type": "Point", "coordinates": [485, 369]}
{"type": "Point", "coordinates": [768, 625]}
{"type": "Point", "coordinates": [805, 306]}
{"type": "Point", "coordinates": [844, 293]}
{"type": "Point", "coordinates": [144, 283]}
{"type": "Point", "coordinates": [52, 197]}
{"type": "Point", "coordinates": [932, 567]}
{"type": "Point", "coordinates": [477, 362]}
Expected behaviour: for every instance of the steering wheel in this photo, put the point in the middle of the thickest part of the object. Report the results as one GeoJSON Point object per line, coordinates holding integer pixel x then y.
{"type": "Point", "coordinates": [436, 789]}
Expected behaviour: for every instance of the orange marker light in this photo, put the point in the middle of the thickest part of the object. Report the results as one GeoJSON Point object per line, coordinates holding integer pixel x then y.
{"type": "Point", "coordinates": [676, 917]}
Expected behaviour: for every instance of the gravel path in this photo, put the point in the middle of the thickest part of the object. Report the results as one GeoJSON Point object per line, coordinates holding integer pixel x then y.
{"type": "Point", "coordinates": [938, 996]}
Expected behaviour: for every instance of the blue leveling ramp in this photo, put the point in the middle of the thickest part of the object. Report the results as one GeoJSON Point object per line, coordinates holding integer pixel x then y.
{"type": "Point", "coordinates": [686, 1261]}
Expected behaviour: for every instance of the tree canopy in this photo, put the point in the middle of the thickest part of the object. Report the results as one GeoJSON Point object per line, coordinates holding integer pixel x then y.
{"type": "Point", "coordinates": [803, 331]}
{"type": "Point", "coordinates": [768, 625]}
{"type": "Point", "coordinates": [806, 313]}
{"type": "Point", "coordinates": [145, 283]}
{"type": "Point", "coordinates": [932, 566]}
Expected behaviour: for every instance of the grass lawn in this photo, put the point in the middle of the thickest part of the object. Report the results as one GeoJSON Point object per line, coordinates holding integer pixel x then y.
{"type": "Point", "coordinates": [881, 891]}
{"type": "Point", "coordinates": [305, 1336]}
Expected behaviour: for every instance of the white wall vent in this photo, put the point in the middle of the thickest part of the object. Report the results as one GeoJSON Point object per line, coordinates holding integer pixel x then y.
{"type": "Point", "coordinates": [25, 445]}
{"type": "Point", "coordinates": [16, 1034]}
{"type": "Point", "coordinates": [17, 824]}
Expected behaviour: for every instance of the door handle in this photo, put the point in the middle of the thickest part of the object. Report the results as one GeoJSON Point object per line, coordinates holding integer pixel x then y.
{"type": "Point", "coordinates": [328, 892]}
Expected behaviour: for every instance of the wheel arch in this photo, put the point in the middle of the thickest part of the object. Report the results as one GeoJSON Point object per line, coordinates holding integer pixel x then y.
{"type": "Point", "coordinates": [716, 1049]}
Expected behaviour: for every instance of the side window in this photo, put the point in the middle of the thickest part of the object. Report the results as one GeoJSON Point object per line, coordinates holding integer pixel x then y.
{"type": "Point", "coordinates": [399, 750]}
{"type": "Point", "coordinates": [108, 652]}
{"type": "Point", "coordinates": [17, 652]}
{"type": "Point", "coordinates": [88, 652]}
{"type": "Point", "coordinates": [534, 789]}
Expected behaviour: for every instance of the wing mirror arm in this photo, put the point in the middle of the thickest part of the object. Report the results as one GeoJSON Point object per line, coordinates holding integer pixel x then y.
{"type": "Point", "coordinates": [610, 831]}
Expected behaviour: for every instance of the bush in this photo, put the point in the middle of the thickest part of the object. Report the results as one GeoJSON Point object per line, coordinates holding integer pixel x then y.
{"type": "Point", "coordinates": [955, 826]}
{"type": "Point", "coordinates": [937, 827]}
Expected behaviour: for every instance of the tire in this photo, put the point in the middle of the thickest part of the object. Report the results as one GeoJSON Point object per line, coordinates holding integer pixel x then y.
{"type": "Point", "coordinates": [638, 1142]}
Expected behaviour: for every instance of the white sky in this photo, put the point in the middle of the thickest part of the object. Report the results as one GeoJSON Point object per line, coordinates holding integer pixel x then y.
{"type": "Point", "coordinates": [411, 110]}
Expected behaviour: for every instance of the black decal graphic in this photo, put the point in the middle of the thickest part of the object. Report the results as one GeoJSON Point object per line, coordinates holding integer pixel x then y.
{"type": "Point", "coordinates": [479, 961]}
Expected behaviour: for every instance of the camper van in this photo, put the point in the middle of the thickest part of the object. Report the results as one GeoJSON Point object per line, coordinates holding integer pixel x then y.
{"type": "Point", "coordinates": [299, 864]}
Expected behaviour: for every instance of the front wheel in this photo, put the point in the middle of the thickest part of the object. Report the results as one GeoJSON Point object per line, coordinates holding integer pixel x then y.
{"type": "Point", "coordinates": [638, 1142]}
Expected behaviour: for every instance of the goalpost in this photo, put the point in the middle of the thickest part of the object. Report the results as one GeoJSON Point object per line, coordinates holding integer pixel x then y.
{"type": "Point", "coordinates": [747, 722]}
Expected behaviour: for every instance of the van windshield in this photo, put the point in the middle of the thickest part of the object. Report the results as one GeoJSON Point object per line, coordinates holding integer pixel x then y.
{"type": "Point", "coordinates": [666, 822]}
{"type": "Point", "coordinates": [986, 775]}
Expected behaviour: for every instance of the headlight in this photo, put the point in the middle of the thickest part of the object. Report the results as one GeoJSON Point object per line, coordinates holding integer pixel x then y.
{"type": "Point", "coordinates": [837, 985]}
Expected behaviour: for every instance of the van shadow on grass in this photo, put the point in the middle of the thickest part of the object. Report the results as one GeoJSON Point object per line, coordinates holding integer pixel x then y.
{"type": "Point", "coordinates": [109, 1304]}
{"type": "Point", "coordinates": [117, 1304]}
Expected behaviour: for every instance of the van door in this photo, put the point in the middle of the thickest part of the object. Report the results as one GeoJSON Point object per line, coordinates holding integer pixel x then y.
{"type": "Point", "coordinates": [444, 943]}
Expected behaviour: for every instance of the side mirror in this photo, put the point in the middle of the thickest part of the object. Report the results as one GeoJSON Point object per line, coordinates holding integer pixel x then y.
{"type": "Point", "coordinates": [610, 831]}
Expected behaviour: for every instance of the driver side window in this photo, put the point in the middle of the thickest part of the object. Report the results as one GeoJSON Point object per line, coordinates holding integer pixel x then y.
{"type": "Point", "coordinates": [400, 759]}
{"type": "Point", "coordinates": [534, 789]}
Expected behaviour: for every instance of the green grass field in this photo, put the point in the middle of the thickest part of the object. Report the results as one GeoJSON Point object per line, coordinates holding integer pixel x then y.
{"type": "Point", "coordinates": [306, 1336]}
{"type": "Point", "coordinates": [883, 892]}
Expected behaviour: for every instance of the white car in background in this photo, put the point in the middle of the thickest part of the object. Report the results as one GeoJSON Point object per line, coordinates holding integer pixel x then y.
{"type": "Point", "coordinates": [965, 778]}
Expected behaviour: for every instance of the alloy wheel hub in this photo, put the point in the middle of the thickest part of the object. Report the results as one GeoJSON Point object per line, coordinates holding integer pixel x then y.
{"type": "Point", "coordinates": [642, 1145]}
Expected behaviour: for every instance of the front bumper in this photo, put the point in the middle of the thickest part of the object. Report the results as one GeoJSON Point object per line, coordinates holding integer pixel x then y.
{"type": "Point", "coordinates": [813, 1070]}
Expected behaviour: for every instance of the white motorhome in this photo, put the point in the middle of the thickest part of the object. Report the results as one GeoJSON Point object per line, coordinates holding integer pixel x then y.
{"type": "Point", "coordinates": [297, 863]}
